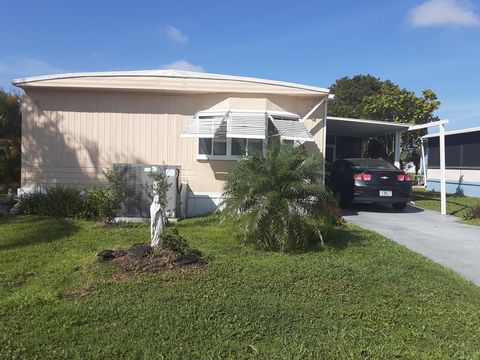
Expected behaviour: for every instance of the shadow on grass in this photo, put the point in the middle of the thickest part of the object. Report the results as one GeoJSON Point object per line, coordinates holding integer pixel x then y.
{"type": "Point", "coordinates": [462, 207]}
{"type": "Point", "coordinates": [34, 230]}
{"type": "Point", "coordinates": [343, 237]}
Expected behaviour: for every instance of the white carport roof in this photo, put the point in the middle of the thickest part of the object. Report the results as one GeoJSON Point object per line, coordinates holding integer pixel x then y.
{"type": "Point", "coordinates": [362, 128]}
{"type": "Point", "coordinates": [453, 132]}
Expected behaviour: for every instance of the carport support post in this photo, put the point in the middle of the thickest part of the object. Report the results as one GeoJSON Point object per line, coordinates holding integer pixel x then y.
{"type": "Point", "coordinates": [397, 149]}
{"type": "Point", "coordinates": [443, 187]}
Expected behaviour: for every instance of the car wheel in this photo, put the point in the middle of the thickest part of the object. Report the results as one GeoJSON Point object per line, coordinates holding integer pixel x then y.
{"type": "Point", "coordinates": [399, 206]}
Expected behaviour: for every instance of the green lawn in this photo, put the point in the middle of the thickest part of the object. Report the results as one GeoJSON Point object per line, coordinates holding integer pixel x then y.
{"type": "Point", "coordinates": [456, 205]}
{"type": "Point", "coordinates": [362, 297]}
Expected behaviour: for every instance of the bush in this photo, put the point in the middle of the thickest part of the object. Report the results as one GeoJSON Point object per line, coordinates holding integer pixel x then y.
{"type": "Point", "coordinates": [472, 213]}
{"type": "Point", "coordinates": [278, 201]}
{"type": "Point", "coordinates": [61, 201]}
{"type": "Point", "coordinates": [97, 205]}
{"type": "Point", "coordinates": [103, 202]}
{"type": "Point", "coordinates": [171, 242]}
{"type": "Point", "coordinates": [99, 202]}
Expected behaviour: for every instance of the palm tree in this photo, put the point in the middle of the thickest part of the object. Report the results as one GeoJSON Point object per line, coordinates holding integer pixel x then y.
{"type": "Point", "coordinates": [278, 200]}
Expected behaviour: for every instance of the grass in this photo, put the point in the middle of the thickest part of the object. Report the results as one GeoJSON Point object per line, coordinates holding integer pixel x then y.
{"type": "Point", "coordinates": [456, 205]}
{"type": "Point", "coordinates": [361, 297]}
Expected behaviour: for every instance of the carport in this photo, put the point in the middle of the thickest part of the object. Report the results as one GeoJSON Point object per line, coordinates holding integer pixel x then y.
{"type": "Point", "coordinates": [344, 138]}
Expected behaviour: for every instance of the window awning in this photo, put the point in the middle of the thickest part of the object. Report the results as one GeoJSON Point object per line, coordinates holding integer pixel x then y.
{"type": "Point", "coordinates": [247, 125]}
{"type": "Point", "coordinates": [292, 130]}
{"type": "Point", "coordinates": [207, 126]}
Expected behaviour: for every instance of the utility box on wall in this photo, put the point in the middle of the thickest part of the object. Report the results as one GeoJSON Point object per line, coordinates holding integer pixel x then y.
{"type": "Point", "coordinates": [136, 178]}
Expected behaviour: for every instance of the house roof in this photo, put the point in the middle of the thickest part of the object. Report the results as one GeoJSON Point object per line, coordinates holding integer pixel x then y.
{"type": "Point", "coordinates": [169, 80]}
{"type": "Point", "coordinates": [453, 132]}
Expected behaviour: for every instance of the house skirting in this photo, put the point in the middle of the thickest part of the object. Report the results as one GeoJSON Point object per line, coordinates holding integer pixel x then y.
{"type": "Point", "coordinates": [456, 187]}
{"type": "Point", "coordinates": [202, 203]}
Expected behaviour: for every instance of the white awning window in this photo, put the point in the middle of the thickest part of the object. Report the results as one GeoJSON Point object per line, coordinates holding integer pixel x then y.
{"type": "Point", "coordinates": [290, 128]}
{"type": "Point", "coordinates": [247, 125]}
{"type": "Point", "coordinates": [207, 125]}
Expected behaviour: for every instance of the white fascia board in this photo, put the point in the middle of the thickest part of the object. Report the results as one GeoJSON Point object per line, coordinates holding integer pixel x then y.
{"type": "Point", "coordinates": [211, 112]}
{"type": "Point", "coordinates": [282, 113]}
{"type": "Point", "coordinates": [427, 125]}
{"type": "Point", "coordinates": [243, 136]}
{"type": "Point", "coordinates": [453, 132]}
{"type": "Point", "coordinates": [377, 122]}
{"type": "Point", "coordinates": [294, 138]}
{"type": "Point", "coordinates": [171, 73]}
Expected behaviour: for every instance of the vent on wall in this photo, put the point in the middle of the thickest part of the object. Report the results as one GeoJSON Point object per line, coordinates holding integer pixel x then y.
{"type": "Point", "coordinates": [135, 177]}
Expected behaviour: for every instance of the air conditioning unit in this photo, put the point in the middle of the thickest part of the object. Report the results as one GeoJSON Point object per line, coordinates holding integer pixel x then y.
{"type": "Point", "coordinates": [136, 180]}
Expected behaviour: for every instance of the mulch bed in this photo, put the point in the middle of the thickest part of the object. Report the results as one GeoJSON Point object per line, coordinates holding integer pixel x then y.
{"type": "Point", "coordinates": [142, 258]}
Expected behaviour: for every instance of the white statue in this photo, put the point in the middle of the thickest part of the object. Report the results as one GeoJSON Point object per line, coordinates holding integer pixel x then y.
{"type": "Point", "coordinates": [157, 221]}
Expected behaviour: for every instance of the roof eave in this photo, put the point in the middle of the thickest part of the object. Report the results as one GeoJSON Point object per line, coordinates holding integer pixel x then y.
{"type": "Point", "coordinates": [25, 82]}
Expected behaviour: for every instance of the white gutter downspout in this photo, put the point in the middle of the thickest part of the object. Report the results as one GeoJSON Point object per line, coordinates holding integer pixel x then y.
{"type": "Point", "coordinates": [398, 139]}
{"type": "Point", "coordinates": [443, 186]}
{"type": "Point", "coordinates": [325, 115]}
{"type": "Point", "coordinates": [424, 165]}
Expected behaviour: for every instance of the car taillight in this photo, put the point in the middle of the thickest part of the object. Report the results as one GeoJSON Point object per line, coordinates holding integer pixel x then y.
{"type": "Point", "coordinates": [364, 177]}
{"type": "Point", "coordinates": [404, 177]}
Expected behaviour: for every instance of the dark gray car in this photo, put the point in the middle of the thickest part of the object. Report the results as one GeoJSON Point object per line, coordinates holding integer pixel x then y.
{"type": "Point", "coordinates": [370, 181]}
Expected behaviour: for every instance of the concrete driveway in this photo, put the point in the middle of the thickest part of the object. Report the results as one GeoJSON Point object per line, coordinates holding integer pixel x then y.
{"type": "Point", "coordinates": [440, 238]}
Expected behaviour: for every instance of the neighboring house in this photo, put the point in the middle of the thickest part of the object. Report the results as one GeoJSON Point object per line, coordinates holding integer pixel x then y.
{"type": "Point", "coordinates": [462, 161]}
{"type": "Point", "coordinates": [77, 125]}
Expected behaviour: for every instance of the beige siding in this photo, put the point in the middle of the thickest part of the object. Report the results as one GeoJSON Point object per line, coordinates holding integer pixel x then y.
{"type": "Point", "coordinates": [70, 136]}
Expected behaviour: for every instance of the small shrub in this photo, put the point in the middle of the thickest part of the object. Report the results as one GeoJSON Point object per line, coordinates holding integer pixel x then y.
{"type": "Point", "coordinates": [61, 201]}
{"type": "Point", "coordinates": [103, 202]}
{"type": "Point", "coordinates": [472, 213]}
{"type": "Point", "coordinates": [99, 202]}
{"type": "Point", "coordinates": [115, 190]}
{"type": "Point", "coordinates": [159, 187]}
{"type": "Point", "coordinates": [172, 241]}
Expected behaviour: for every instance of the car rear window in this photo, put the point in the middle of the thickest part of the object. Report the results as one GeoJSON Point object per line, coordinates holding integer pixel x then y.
{"type": "Point", "coordinates": [371, 164]}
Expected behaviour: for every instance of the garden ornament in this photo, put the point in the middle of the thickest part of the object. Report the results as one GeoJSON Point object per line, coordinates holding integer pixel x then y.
{"type": "Point", "coordinates": [157, 221]}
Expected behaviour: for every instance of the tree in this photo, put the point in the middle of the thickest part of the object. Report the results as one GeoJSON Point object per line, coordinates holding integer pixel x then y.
{"type": "Point", "coordinates": [399, 105]}
{"type": "Point", "coordinates": [10, 138]}
{"type": "Point", "coordinates": [277, 200]}
{"type": "Point", "coordinates": [365, 96]}
{"type": "Point", "coordinates": [349, 95]}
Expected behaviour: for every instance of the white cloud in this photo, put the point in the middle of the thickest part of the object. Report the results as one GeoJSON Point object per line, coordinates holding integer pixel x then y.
{"type": "Point", "coordinates": [444, 12]}
{"type": "Point", "coordinates": [183, 65]}
{"type": "Point", "coordinates": [176, 35]}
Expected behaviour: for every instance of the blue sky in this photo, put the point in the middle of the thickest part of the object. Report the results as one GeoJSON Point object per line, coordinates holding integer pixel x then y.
{"type": "Point", "coordinates": [415, 43]}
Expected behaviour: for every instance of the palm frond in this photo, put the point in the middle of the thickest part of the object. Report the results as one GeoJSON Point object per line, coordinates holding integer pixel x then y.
{"type": "Point", "coordinates": [278, 201]}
